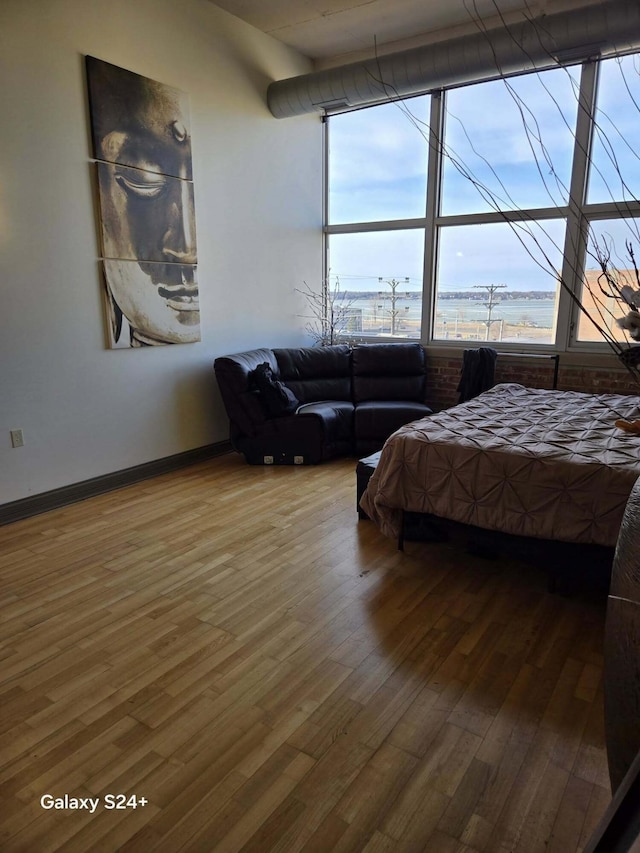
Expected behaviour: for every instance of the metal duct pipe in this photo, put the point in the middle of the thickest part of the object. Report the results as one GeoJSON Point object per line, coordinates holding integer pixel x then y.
{"type": "Point", "coordinates": [612, 26]}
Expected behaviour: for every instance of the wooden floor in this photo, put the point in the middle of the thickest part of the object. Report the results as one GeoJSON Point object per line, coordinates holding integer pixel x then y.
{"type": "Point", "coordinates": [231, 644]}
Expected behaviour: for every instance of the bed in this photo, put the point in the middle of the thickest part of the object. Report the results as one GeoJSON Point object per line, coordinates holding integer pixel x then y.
{"type": "Point", "coordinates": [536, 463]}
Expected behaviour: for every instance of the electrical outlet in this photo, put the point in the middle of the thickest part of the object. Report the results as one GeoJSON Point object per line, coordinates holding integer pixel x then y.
{"type": "Point", "coordinates": [268, 460]}
{"type": "Point", "coordinates": [17, 438]}
{"type": "Point", "coordinates": [298, 460]}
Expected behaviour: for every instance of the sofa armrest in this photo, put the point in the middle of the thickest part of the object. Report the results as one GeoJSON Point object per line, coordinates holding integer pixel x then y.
{"type": "Point", "coordinates": [287, 440]}
{"type": "Point", "coordinates": [241, 402]}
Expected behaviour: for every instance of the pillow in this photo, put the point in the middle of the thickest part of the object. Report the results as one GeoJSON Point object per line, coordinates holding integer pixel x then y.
{"type": "Point", "coordinates": [277, 399]}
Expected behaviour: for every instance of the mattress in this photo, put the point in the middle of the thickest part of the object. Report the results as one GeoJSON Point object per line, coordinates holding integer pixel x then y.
{"type": "Point", "coordinates": [526, 461]}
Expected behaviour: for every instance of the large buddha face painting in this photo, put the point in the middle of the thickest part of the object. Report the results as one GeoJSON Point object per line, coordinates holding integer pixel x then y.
{"type": "Point", "coordinates": [141, 137]}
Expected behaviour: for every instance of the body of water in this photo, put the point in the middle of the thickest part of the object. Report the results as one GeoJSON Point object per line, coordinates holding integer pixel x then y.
{"type": "Point", "coordinates": [376, 312]}
{"type": "Point", "coordinates": [531, 312]}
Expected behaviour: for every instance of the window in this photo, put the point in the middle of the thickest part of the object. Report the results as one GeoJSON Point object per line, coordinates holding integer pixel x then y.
{"type": "Point", "coordinates": [509, 143]}
{"type": "Point", "coordinates": [611, 215]}
{"type": "Point", "coordinates": [488, 203]}
{"type": "Point", "coordinates": [378, 163]}
{"type": "Point", "coordinates": [607, 248]}
{"type": "Point", "coordinates": [508, 146]}
{"type": "Point", "coordinates": [377, 180]}
{"type": "Point", "coordinates": [615, 172]}
{"type": "Point", "coordinates": [490, 288]}
{"type": "Point", "coordinates": [378, 279]}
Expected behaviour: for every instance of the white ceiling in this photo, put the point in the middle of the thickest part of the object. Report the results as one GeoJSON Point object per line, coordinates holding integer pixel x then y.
{"type": "Point", "coordinates": [327, 29]}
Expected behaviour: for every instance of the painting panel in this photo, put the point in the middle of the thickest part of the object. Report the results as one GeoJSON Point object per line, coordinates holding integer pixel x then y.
{"type": "Point", "coordinates": [146, 216]}
{"type": "Point", "coordinates": [137, 121]}
{"type": "Point", "coordinates": [151, 304]}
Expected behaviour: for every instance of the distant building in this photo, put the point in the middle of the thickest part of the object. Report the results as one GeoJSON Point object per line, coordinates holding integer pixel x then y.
{"type": "Point", "coordinates": [604, 309]}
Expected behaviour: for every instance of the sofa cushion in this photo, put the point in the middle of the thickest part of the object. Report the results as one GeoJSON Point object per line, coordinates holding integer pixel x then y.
{"type": "Point", "coordinates": [277, 399]}
{"type": "Point", "coordinates": [377, 419]}
{"type": "Point", "coordinates": [316, 373]}
{"type": "Point", "coordinates": [337, 420]}
{"type": "Point", "coordinates": [389, 372]}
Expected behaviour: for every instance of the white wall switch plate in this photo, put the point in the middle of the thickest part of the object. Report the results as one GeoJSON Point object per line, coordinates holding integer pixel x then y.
{"type": "Point", "coordinates": [17, 438]}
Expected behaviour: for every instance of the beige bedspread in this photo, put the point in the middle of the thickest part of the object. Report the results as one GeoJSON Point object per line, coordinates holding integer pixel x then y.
{"type": "Point", "coordinates": [548, 464]}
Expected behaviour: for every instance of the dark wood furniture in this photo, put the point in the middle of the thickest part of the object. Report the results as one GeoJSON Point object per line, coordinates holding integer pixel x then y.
{"type": "Point", "coordinates": [622, 647]}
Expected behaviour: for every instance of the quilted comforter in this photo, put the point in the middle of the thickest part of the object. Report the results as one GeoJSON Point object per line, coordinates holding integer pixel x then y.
{"type": "Point", "coordinates": [547, 464]}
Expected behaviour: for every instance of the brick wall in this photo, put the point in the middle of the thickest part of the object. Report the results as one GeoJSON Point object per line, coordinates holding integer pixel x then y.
{"type": "Point", "coordinates": [444, 375]}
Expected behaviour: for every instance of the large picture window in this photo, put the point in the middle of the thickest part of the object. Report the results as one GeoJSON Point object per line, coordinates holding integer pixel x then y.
{"type": "Point", "coordinates": [481, 209]}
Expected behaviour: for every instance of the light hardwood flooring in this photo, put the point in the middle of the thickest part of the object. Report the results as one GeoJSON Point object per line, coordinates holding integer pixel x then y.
{"type": "Point", "coordinates": [231, 644]}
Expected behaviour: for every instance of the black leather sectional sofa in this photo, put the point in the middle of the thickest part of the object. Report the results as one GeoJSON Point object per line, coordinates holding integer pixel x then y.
{"type": "Point", "coordinates": [348, 400]}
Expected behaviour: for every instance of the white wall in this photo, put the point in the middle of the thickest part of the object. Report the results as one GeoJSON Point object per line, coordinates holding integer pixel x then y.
{"type": "Point", "coordinates": [86, 410]}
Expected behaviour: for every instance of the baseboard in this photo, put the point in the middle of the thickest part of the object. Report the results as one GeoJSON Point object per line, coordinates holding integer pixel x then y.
{"type": "Point", "coordinates": [27, 507]}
